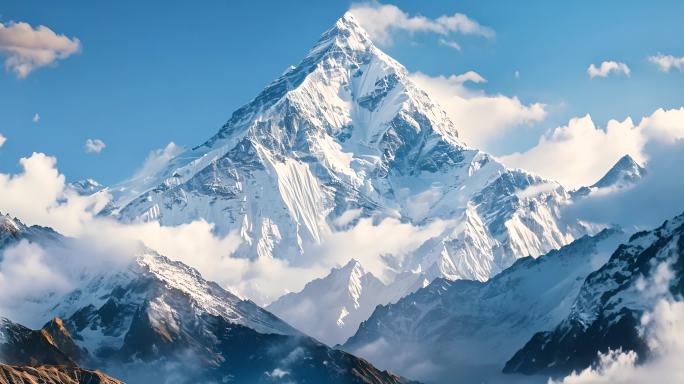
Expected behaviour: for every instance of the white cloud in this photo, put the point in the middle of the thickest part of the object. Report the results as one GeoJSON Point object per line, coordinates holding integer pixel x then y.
{"type": "Point", "coordinates": [667, 62]}
{"type": "Point", "coordinates": [157, 160]}
{"type": "Point", "coordinates": [35, 118]}
{"type": "Point", "coordinates": [450, 43]}
{"type": "Point", "coordinates": [94, 146]}
{"type": "Point", "coordinates": [580, 153]}
{"type": "Point", "coordinates": [3, 139]}
{"type": "Point", "coordinates": [516, 74]}
{"type": "Point", "coordinates": [608, 67]}
{"type": "Point", "coordinates": [381, 21]}
{"type": "Point", "coordinates": [480, 118]}
{"type": "Point", "coordinates": [26, 48]}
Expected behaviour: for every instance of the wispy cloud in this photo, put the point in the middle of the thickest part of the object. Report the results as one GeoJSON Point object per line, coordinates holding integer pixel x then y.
{"type": "Point", "coordinates": [667, 62]}
{"type": "Point", "coordinates": [608, 67]}
{"type": "Point", "coordinates": [35, 118]}
{"type": "Point", "coordinates": [26, 48]}
{"type": "Point", "coordinates": [94, 146]}
{"type": "Point", "coordinates": [3, 139]}
{"type": "Point", "coordinates": [450, 43]}
{"type": "Point", "coordinates": [383, 20]}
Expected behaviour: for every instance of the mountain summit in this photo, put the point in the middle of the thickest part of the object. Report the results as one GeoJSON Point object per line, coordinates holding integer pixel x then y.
{"type": "Point", "coordinates": [625, 172]}
{"type": "Point", "coordinates": [346, 130]}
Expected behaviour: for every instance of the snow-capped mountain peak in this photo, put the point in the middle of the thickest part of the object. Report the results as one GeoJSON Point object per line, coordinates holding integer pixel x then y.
{"type": "Point", "coordinates": [626, 171]}
{"type": "Point", "coordinates": [346, 130]}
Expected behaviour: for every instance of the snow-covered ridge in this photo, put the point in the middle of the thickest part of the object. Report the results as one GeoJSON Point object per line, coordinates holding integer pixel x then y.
{"type": "Point", "coordinates": [331, 308]}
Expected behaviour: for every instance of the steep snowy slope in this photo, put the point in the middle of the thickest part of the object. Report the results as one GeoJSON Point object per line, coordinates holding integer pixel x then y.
{"type": "Point", "coordinates": [606, 313]}
{"type": "Point", "coordinates": [347, 131]}
{"type": "Point", "coordinates": [331, 308]}
{"type": "Point", "coordinates": [466, 330]}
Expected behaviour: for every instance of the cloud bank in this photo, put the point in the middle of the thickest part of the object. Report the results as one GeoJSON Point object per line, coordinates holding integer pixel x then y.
{"type": "Point", "coordinates": [26, 48]}
{"type": "Point", "coordinates": [39, 195]}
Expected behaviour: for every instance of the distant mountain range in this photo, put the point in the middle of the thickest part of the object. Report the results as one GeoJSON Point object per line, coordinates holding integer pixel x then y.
{"type": "Point", "coordinates": [157, 320]}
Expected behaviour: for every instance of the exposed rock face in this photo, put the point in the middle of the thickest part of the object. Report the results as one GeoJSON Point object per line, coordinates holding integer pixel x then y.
{"type": "Point", "coordinates": [23, 346]}
{"type": "Point", "coordinates": [45, 374]}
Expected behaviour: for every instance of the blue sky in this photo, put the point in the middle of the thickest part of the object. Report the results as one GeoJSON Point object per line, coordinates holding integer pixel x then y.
{"type": "Point", "coordinates": [153, 72]}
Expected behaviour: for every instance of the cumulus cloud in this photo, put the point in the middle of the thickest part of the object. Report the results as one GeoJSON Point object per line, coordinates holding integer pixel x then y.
{"type": "Point", "coordinates": [667, 62]}
{"type": "Point", "coordinates": [480, 118]}
{"type": "Point", "coordinates": [26, 48]}
{"type": "Point", "coordinates": [3, 139]}
{"type": "Point", "coordinates": [608, 67]}
{"type": "Point", "coordinates": [381, 21]}
{"type": "Point", "coordinates": [580, 152]}
{"type": "Point", "coordinates": [94, 146]}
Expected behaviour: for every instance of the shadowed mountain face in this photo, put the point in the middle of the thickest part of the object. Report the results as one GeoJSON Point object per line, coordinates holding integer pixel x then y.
{"type": "Point", "coordinates": [607, 311]}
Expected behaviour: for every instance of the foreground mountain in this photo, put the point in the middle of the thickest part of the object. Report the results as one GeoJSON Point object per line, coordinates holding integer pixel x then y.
{"type": "Point", "coordinates": [346, 135]}
{"type": "Point", "coordinates": [157, 320]}
{"type": "Point", "coordinates": [466, 330]}
{"type": "Point", "coordinates": [607, 311]}
{"type": "Point", "coordinates": [52, 375]}
{"type": "Point", "coordinates": [20, 345]}
{"type": "Point", "coordinates": [331, 308]}
{"type": "Point", "coordinates": [34, 356]}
